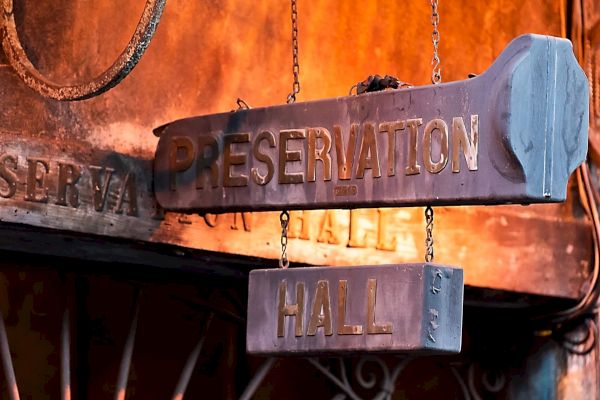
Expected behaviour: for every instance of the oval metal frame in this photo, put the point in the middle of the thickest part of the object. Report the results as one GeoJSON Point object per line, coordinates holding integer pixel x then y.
{"type": "Point", "coordinates": [108, 79]}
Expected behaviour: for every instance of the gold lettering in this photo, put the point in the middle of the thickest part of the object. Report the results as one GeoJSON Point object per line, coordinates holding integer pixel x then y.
{"type": "Point", "coordinates": [9, 174]}
{"type": "Point", "coordinates": [368, 156]}
{"type": "Point", "coordinates": [176, 164]}
{"type": "Point", "coordinates": [256, 175]}
{"type": "Point", "coordinates": [128, 187]}
{"type": "Point", "coordinates": [345, 160]}
{"type": "Point", "coordinates": [358, 236]}
{"type": "Point", "coordinates": [442, 128]}
{"type": "Point", "coordinates": [288, 310]}
{"type": "Point", "coordinates": [211, 220]}
{"type": "Point", "coordinates": [100, 188]}
{"type": "Point", "coordinates": [68, 175]}
{"type": "Point", "coordinates": [246, 221]}
{"type": "Point", "coordinates": [468, 145]}
{"type": "Point", "coordinates": [158, 212]}
{"type": "Point", "coordinates": [321, 154]}
{"type": "Point", "coordinates": [372, 327]}
{"type": "Point", "coordinates": [342, 328]}
{"type": "Point", "coordinates": [321, 311]}
{"type": "Point", "coordinates": [231, 159]}
{"type": "Point", "coordinates": [36, 180]}
{"type": "Point", "coordinates": [207, 162]}
{"type": "Point", "coordinates": [286, 156]}
{"type": "Point", "coordinates": [328, 232]}
{"type": "Point", "coordinates": [299, 225]}
{"type": "Point", "coordinates": [345, 190]}
{"type": "Point", "coordinates": [413, 168]}
{"type": "Point", "coordinates": [184, 219]}
{"type": "Point", "coordinates": [383, 240]}
{"type": "Point", "coordinates": [391, 128]}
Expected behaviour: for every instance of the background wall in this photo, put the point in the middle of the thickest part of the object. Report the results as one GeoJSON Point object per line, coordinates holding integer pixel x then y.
{"type": "Point", "coordinates": [205, 55]}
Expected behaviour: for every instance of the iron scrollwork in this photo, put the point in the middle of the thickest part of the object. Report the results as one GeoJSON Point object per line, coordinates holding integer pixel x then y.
{"type": "Point", "coordinates": [387, 381]}
{"type": "Point", "coordinates": [475, 382]}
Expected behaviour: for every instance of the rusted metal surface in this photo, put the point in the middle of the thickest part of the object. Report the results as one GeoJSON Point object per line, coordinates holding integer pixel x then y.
{"type": "Point", "coordinates": [412, 308]}
{"type": "Point", "coordinates": [248, 44]}
{"type": "Point", "coordinates": [511, 135]}
{"type": "Point", "coordinates": [88, 36]}
{"type": "Point", "coordinates": [114, 74]}
{"type": "Point", "coordinates": [114, 131]}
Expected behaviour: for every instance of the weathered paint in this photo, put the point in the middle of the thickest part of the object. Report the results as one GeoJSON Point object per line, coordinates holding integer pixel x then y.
{"type": "Point", "coordinates": [409, 308]}
{"type": "Point", "coordinates": [511, 135]}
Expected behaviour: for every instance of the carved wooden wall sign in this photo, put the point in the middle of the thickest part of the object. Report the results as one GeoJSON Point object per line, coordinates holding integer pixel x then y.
{"type": "Point", "coordinates": [74, 187]}
{"type": "Point", "coordinates": [392, 308]}
{"type": "Point", "coordinates": [511, 135]}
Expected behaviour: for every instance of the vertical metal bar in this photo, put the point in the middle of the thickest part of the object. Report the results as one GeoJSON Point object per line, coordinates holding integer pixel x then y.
{"type": "Point", "coordinates": [121, 387]}
{"type": "Point", "coordinates": [9, 372]}
{"type": "Point", "coordinates": [461, 383]}
{"type": "Point", "coordinates": [341, 383]}
{"type": "Point", "coordinates": [65, 359]}
{"type": "Point", "coordinates": [258, 378]}
{"type": "Point", "coordinates": [550, 121]}
{"type": "Point", "coordinates": [190, 364]}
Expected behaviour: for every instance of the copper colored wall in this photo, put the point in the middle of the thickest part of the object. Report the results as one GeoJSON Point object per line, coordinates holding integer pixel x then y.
{"type": "Point", "coordinates": [204, 56]}
{"type": "Point", "coordinates": [207, 53]}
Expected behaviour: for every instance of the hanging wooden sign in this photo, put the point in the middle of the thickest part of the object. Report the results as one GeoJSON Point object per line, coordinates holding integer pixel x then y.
{"type": "Point", "coordinates": [511, 135]}
{"type": "Point", "coordinates": [392, 308]}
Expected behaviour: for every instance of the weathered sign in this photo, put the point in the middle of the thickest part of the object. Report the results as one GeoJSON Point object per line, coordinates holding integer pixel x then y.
{"type": "Point", "coordinates": [511, 135]}
{"type": "Point", "coordinates": [392, 308]}
{"type": "Point", "coordinates": [71, 187]}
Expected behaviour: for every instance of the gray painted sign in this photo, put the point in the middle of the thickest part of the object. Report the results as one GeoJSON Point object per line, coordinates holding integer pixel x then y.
{"type": "Point", "coordinates": [406, 308]}
{"type": "Point", "coordinates": [514, 134]}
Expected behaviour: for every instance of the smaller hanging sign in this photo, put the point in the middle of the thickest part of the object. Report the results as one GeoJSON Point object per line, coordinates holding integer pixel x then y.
{"type": "Point", "coordinates": [406, 308]}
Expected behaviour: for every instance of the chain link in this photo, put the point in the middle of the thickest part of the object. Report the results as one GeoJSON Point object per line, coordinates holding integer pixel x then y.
{"type": "Point", "coordinates": [242, 105]}
{"type": "Point", "coordinates": [429, 231]}
{"type": "Point", "coordinates": [436, 73]}
{"type": "Point", "coordinates": [436, 78]}
{"type": "Point", "coordinates": [284, 218]}
{"type": "Point", "coordinates": [296, 66]}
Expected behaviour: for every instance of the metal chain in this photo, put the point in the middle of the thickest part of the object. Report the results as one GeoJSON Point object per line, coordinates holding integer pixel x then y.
{"type": "Point", "coordinates": [436, 78]}
{"type": "Point", "coordinates": [429, 236]}
{"type": "Point", "coordinates": [436, 73]}
{"type": "Point", "coordinates": [296, 66]}
{"type": "Point", "coordinates": [284, 218]}
{"type": "Point", "coordinates": [242, 105]}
